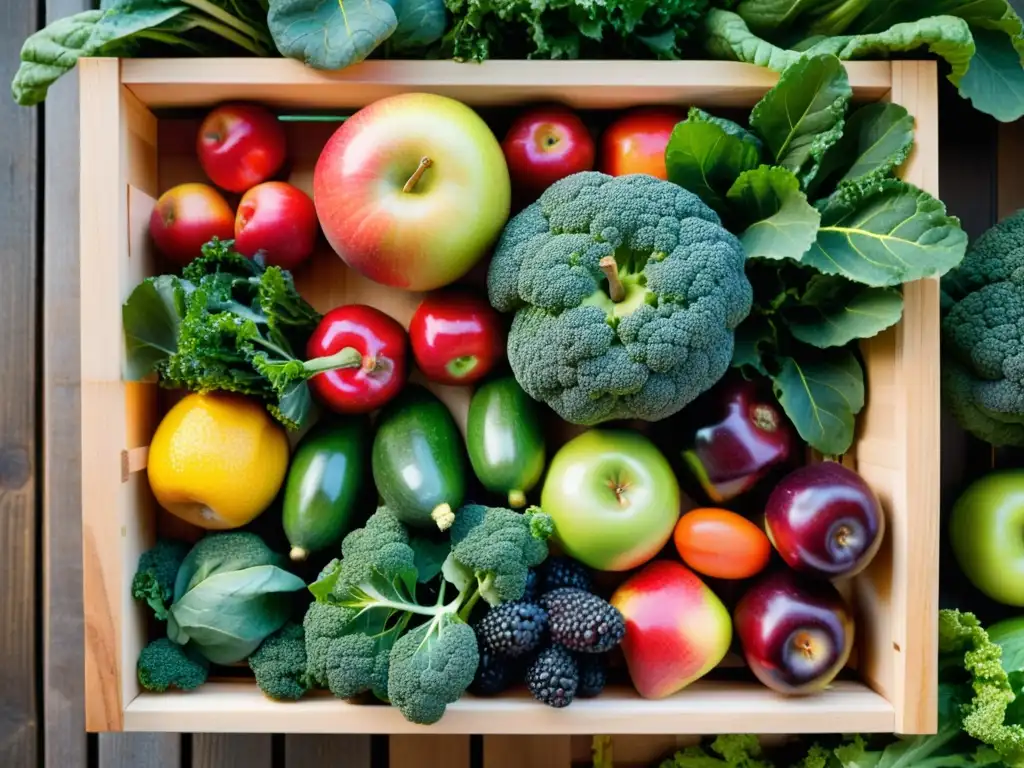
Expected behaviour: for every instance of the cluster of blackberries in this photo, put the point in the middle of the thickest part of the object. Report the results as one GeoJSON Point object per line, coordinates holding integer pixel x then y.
{"type": "Point", "coordinates": [555, 638]}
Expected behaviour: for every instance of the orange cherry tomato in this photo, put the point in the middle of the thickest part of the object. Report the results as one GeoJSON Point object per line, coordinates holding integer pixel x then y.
{"type": "Point", "coordinates": [721, 544]}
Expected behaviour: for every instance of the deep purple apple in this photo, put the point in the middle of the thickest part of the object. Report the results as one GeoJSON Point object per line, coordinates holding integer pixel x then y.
{"type": "Point", "coordinates": [796, 633]}
{"type": "Point", "coordinates": [746, 435]}
{"type": "Point", "coordinates": [824, 520]}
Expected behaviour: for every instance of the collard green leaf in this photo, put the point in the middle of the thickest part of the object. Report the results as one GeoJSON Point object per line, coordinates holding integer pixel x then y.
{"type": "Point", "coordinates": [876, 140]}
{"type": "Point", "coordinates": [706, 155]}
{"type": "Point", "coordinates": [726, 36]}
{"type": "Point", "coordinates": [755, 337]}
{"type": "Point", "coordinates": [420, 23]}
{"type": "Point", "coordinates": [222, 553]}
{"type": "Point", "coordinates": [330, 34]}
{"type": "Point", "coordinates": [885, 232]}
{"type": "Point", "coordinates": [803, 115]}
{"type": "Point", "coordinates": [833, 312]}
{"type": "Point", "coordinates": [429, 555]}
{"type": "Point", "coordinates": [821, 392]}
{"type": "Point", "coordinates": [995, 82]}
{"type": "Point", "coordinates": [766, 17]}
{"type": "Point", "coordinates": [780, 223]}
{"type": "Point", "coordinates": [229, 614]}
{"type": "Point", "coordinates": [151, 317]}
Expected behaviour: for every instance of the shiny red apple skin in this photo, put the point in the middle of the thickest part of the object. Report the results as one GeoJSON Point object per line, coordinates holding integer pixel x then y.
{"type": "Point", "coordinates": [456, 337]}
{"type": "Point", "coordinates": [544, 145]}
{"type": "Point", "coordinates": [677, 630]}
{"type": "Point", "coordinates": [746, 434]}
{"type": "Point", "coordinates": [796, 632]}
{"type": "Point", "coordinates": [416, 233]}
{"type": "Point", "coordinates": [188, 216]}
{"type": "Point", "coordinates": [635, 142]}
{"type": "Point", "coordinates": [240, 146]}
{"type": "Point", "coordinates": [825, 520]}
{"type": "Point", "coordinates": [278, 220]}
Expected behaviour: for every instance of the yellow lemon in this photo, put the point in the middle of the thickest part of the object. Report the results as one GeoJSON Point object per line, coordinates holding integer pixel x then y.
{"type": "Point", "coordinates": [217, 460]}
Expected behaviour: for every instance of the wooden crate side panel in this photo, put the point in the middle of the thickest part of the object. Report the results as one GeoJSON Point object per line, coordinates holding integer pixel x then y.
{"type": "Point", "coordinates": [429, 751]}
{"type": "Point", "coordinates": [532, 751]}
{"type": "Point", "coordinates": [325, 750]}
{"type": "Point", "coordinates": [232, 750]}
{"type": "Point", "coordinates": [899, 455]}
{"type": "Point", "coordinates": [118, 139]}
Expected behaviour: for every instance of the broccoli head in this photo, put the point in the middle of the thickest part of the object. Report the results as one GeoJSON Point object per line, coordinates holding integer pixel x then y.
{"type": "Point", "coordinates": [431, 667]}
{"type": "Point", "coordinates": [627, 291]}
{"type": "Point", "coordinates": [164, 664]}
{"type": "Point", "coordinates": [154, 577]}
{"type": "Point", "coordinates": [279, 664]}
{"type": "Point", "coordinates": [493, 550]}
{"type": "Point", "coordinates": [983, 335]}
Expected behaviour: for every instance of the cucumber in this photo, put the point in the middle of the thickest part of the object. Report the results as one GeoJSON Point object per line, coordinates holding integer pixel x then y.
{"type": "Point", "coordinates": [505, 440]}
{"type": "Point", "coordinates": [325, 480]}
{"type": "Point", "coordinates": [419, 460]}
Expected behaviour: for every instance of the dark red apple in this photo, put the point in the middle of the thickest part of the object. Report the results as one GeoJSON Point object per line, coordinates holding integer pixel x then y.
{"type": "Point", "coordinates": [744, 436]}
{"type": "Point", "coordinates": [278, 220]}
{"type": "Point", "coordinates": [825, 520]}
{"type": "Point", "coordinates": [544, 145]}
{"type": "Point", "coordinates": [796, 633]}
{"type": "Point", "coordinates": [240, 146]}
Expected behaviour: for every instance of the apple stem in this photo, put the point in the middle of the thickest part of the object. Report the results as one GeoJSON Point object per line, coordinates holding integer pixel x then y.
{"type": "Point", "coordinates": [842, 535]}
{"type": "Point", "coordinates": [349, 357]}
{"type": "Point", "coordinates": [765, 418]}
{"type": "Point", "coordinates": [425, 162]}
{"type": "Point", "coordinates": [611, 271]}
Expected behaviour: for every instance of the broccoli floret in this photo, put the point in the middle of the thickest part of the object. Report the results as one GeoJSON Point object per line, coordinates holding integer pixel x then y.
{"type": "Point", "coordinates": [154, 578]}
{"type": "Point", "coordinates": [164, 664]}
{"type": "Point", "coordinates": [279, 664]}
{"type": "Point", "coordinates": [983, 335]}
{"type": "Point", "coordinates": [627, 291]}
{"type": "Point", "coordinates": [431, 667]}
{"type": "Point", "coordinates": [493, 549]}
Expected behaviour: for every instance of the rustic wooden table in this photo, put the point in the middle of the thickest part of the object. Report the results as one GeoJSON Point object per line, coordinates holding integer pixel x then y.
{"type": "Point", "coordinates": [41, 659]}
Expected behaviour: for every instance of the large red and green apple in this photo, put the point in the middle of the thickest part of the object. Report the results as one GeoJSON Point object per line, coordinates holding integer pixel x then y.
{"type": "Point", "coordinates": [412, 190]}
{"type": "Point", "coordinates": [986, 531]}
{"type": "Point", "coordinates": [613, 498]}
{"type": "Point", "coordinates": [677, 630]}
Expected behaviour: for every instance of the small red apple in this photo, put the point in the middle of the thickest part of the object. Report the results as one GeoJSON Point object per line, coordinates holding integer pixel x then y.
{"type": "Point", "coordinates": [544, 145]}
{"type": "Point", "coordinates": [677, 630]}
{"type": "Point", "coordinates": [240, 145]}
{"type": "Point", "coordinates": [635, 143]}
{"type": "Point", "coordinates": [188, 216]}
{"type": "Point", "coordinates": [278, 220]}
{"type": "Point", "coordinates": [456, 337]}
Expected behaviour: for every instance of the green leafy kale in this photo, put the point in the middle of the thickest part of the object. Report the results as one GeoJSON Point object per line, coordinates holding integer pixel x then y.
{"type": "Point", "coordinates": [136, 27]}
{"type": "Point", "coordinates": [830, 234]}
{"type": "Point", "coordinates": [228, 323]}
{"type": "Point", "coordinates": [982, 42]}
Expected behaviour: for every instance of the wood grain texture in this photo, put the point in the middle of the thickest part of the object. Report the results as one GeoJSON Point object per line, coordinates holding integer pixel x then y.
{"type": "Point", "coordinates": [534, 751]}
{"type": "Point", "coordinates": [64, 739]}
{"type": "Point", "coordinates": [326, 750]}
{"type": "Point", "coordinates": [428, 752]}
{"type": "Point", "coordinates": [19, 334]}
{"type": "Point", "coordinates": [228, 750]}
{"type": "Point", "coordinates": [138, 750]}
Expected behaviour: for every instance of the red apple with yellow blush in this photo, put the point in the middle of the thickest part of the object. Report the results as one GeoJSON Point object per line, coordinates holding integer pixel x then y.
{"type": "Point", "coordinates": [677, 630]}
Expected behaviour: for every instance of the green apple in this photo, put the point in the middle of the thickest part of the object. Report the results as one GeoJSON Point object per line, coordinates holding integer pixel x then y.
{"type": "Point", "coordinates": [613, 498]}
{"type": "Point", "coordinates": [987, 535]}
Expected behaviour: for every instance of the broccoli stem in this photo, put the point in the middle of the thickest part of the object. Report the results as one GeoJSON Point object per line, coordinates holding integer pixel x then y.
{"type": "Point", "coordinates": [349, 357]}
{"type": "Point", "coordinates": [467, 607]}
{"type": "Point", "coordinates": [616, 290]}
{"type": "Point", "coordinates": [425, 162]}
{"type": "Point", "coordinates": [442, 515]}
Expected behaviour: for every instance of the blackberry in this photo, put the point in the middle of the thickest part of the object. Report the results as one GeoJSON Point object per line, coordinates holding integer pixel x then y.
{"type": "Point", "coordinates": [513, 629]}
{"type": "Point", "coordinates": [553, 677]}
{"type": "Point", "coordinates": [494, 674]}
{"type": "Point", "coordinates": [558, 572]}
{"type": "Point", "coordinates": [593, 675]}
{"type": "Point", "coordinates": [532, 585]}
{"type": "Point", "coordinates": [582, 621]}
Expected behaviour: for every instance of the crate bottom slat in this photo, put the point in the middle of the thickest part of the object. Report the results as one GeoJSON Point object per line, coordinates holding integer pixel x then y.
{"type": "Point", "coordinates": [705, 707]}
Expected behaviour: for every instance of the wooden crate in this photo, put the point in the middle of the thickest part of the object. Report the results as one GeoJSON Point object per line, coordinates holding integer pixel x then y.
{"type": "Point", "coordinates": [129, 155]}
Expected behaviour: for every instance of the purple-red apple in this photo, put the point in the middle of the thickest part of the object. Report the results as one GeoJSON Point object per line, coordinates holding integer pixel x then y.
{"type": "Point", "coordinates": [677, 630]}
{"type": "Point", "coordinates": [277, 220]}
{"type": "Point", "coordinates": [613, 497]}
{"type": "Point", "coordinates": [544, 145]}
{"type": "Point", "coordinates": [745, 435]}
{"type": "Point", "coordinates": [796, 632]}
{"type": "Point", "coordinates": [824, 520]}
{"type": "Point", "coordinates": [412, 190]}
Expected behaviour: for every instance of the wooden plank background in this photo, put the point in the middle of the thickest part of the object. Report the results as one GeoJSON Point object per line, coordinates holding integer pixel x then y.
{"type": "Point", "coordinates": [41, 688]}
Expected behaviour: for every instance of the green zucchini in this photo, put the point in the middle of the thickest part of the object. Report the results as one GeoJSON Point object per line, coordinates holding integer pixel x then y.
{"type": "Point", "coordinates": [325, 479]}
{"type": "Point", "coordinates": [419, 459]}
{"type": "Point", "coordinates": [505, 440]}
